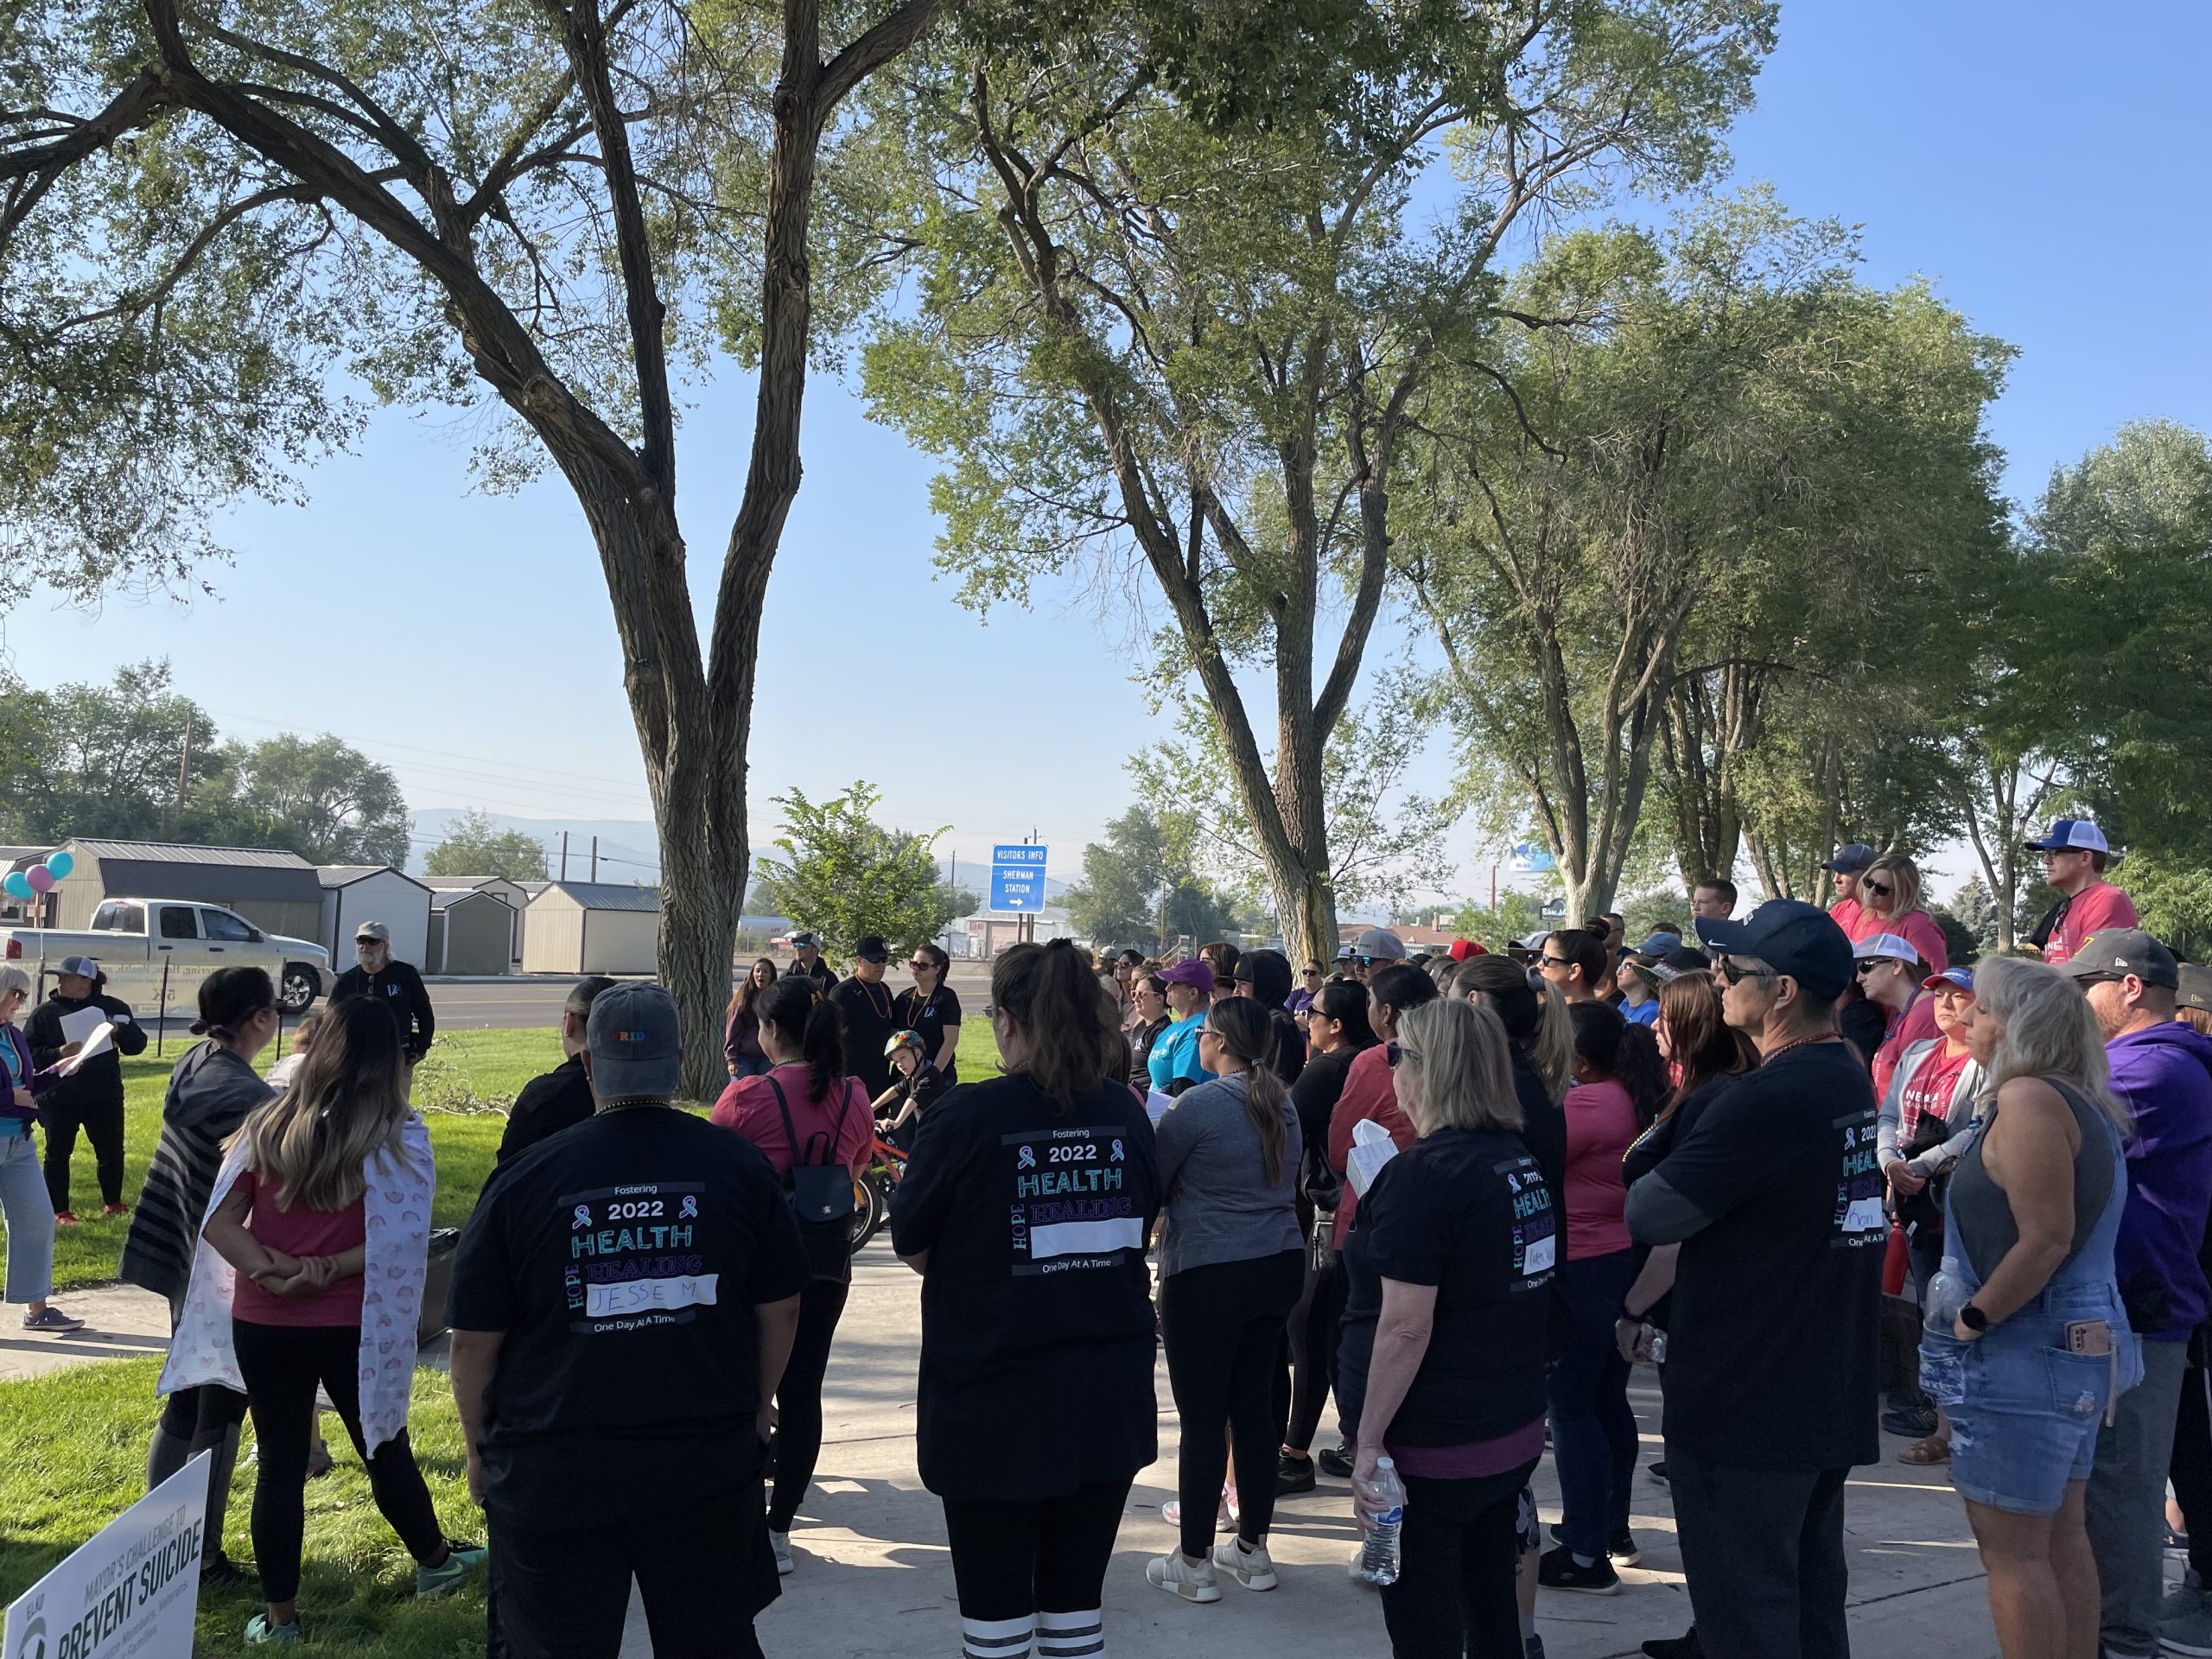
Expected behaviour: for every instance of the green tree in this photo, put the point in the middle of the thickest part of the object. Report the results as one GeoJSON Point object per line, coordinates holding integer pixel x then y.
{"type": "Point", "coordinates": [1517, 916]}
{"type": "Point", "coordinates": [2174, 898]}
{"type": "Point", "coordinates": [1139, 887]}
{"type": "Point", "coordinates": [1182, 354]}
{"type": "Point", "coordinates": [322, 799]}
{"type": "Point", "coordinates": [1976, 907]}
{"type": "Point", "coordinates": [845, 876]}
{"type": "Point", "coordinates": [222, 238]}
{"type": "Point", "coordinates": [474, 844]}
{"type": "Point", "coordinates": [131, 758]}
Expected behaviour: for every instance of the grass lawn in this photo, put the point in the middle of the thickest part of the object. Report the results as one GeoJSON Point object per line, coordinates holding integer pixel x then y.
{"type": "Point", "coordinates": [72, 1457]}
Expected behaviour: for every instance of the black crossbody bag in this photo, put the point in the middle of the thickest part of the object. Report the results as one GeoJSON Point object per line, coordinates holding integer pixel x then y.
{"type": "Point", "coordinates": [821, 1196]}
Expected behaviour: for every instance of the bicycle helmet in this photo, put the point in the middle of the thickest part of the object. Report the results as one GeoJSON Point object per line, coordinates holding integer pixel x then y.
{"type": "Point", "coordinates": [906, 1040]}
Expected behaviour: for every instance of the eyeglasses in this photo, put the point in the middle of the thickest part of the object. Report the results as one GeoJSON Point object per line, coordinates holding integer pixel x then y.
{"type": "Point", "coordinates": [1878, 889]}
{"type": "Point", "coordinates": [1558, 961]}
{"type": "Point", "coordinates": [918, 965]}
{"type": "Point", "coordinates": [1736, 973]}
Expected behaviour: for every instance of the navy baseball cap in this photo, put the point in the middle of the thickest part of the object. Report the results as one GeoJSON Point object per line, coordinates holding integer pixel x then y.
{"type": "Point", "coordinates": [636, 1043]}
{"type": "Point", "coordinates": [1851, 859]}
{"type": "Point", "coordinates": [1792, 937]}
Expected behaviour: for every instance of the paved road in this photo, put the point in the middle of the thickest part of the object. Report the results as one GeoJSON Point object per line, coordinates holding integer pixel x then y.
{"type": "Point", "coordinates": [501, 1004]}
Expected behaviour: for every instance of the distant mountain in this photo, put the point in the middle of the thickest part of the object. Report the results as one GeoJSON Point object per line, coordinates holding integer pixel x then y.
{"type": "Point", "coordinates": [629, 849]}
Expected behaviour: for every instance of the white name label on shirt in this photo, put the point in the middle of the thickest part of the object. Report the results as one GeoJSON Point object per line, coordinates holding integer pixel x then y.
{"type": "Point", "coordinates": [636, 1295]}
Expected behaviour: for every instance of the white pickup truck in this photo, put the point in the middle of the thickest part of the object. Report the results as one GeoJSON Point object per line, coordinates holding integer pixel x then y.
{"type": "Point", "coordinates": [156, 952]}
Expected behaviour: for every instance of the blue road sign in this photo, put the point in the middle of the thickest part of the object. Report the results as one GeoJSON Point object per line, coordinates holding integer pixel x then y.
{"type": "Point", "coordinates": [1018, 877]}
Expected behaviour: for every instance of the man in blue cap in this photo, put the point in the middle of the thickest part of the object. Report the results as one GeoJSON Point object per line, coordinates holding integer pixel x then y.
{"type": "Point", "coordinates": [1774, 1344]}
{"type": "Point", "coordinates": [1849, 863]}
{"type": "Point", "coordinates": [623, 1303]}
{"type": "Point", "coordinates": [2074, 853]}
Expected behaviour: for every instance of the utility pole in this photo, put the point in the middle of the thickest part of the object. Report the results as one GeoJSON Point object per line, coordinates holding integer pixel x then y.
{"type": "Point", "coordinates": [594, 858]}
{"type": "Point", "coordinates": [564, 854]}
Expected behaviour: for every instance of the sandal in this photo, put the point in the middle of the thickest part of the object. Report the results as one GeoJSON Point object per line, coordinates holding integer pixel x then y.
{"type": "Point", "coordinates": [1932, 1449]}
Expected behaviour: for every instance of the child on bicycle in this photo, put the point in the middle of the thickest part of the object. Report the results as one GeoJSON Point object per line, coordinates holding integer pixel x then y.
{"type": "Point", "coordinates": [915, 1085]}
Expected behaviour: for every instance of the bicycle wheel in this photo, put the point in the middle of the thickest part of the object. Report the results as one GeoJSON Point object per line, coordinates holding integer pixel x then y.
{"type": "Point", "coordinates": [870, 1208]}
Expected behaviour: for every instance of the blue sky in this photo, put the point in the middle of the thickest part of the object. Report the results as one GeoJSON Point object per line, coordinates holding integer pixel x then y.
{"type": "Point", "coordinates": [2044, 171]}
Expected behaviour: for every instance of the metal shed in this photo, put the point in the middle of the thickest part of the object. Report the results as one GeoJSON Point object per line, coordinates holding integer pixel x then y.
{"type": "Point", "coordinates": [354, 893]}
{"type": "Point", "coordinates": [515, 895]}
{"type": "Point", "coordinates": [279, 892]}
{"type": "Point", "coordinates": [593, 927]}
{"type": "Point", "coordinates": [471, 931]}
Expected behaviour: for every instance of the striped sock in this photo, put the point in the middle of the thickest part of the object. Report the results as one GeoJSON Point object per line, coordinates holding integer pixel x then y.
{"type": "Point", "coordinates": [1071, 1635]}
{"type": "Point", "coordinates": [998, 1639]}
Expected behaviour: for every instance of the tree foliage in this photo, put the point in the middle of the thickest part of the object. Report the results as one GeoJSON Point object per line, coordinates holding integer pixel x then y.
{"type": "Point", "coordinates": [474, 844]}
{"type": "Point", "coordinates": [1139, 886]}
{"type": "Point", "coordinates": [1175, 353]}
{"type": "Point", "coordinates": [844, 876]}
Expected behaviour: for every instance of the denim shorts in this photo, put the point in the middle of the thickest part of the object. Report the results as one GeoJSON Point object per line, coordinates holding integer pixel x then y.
{"type": "Point", "coordinates": [2025, 1412]}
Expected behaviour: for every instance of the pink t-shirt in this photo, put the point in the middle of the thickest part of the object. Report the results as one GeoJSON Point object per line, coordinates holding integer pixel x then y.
{"type": "Point", "coordinates": [1845, 913]}
{"type": "Point", "coordinates": [2097, 905]}
{"type": "Point", "coordinates": [1915, 927]}
{"type": "Point", "coordinates": [748, 1106]}
{"type": "Point", "coordinates": [1600, 1127]}
{"type": "Point", "coordinates": [299, 1231]}
{"type": "Point", "coordinates": [1916, 1025]}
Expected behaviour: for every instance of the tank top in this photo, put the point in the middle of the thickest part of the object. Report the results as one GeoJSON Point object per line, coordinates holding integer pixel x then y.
{"type": "Point", "coordinates": [1982, 1215]}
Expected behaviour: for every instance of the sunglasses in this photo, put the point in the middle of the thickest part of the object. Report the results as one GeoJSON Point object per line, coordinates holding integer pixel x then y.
{"type": "Point", "coordinates": [1735, 972]}
{"type": "Point", "coordinates": [1878, 889]}
{"type": "Point", "coordinates": [1558, 961]}
{"type": "Point", "coordinates": [1312, 973]}
{"type": "Point", "coordinates": [1868, 964]}
{"type": "Point", "coordinates": [918, 965]}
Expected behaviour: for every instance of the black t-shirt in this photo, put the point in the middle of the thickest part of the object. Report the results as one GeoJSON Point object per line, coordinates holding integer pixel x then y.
{"type": "Point", "coordinates": [1865, 1023]}
{"type": "Point", "coordinates": [930, 1015]}
{"type": "Point", "coordinates": [1543, 1131]}
{"type": "Point", "coordinates": [868, 1024]}
{"type": "Point", "coordinates": [1645, 1153]}
{"type": "Point", "coordinates": [1315, 1096]}
{"type": "Point", "coordinates": [559, 1100]}
{"type": "Point", "coordinates": [624, 1258]}
{"type": "Point", "coordinates": [1289, 1058]}
{"type": "Point", "coordinates": [1037, 1327]}
{"type": "Point", "coordinates": [1774, 1346]}
{"type": "Point", "coordinates": [1467, 1210]}
{"type": "Point", "coordinates": [821, 973]}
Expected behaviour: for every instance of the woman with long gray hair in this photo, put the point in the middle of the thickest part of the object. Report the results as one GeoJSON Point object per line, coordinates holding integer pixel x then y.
{"type": "Point", "coordinates": [2026, 1349]}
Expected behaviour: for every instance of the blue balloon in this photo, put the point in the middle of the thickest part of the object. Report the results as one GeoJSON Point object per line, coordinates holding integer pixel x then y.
{"type": "Point", "coordinates": [61, 864]}
{"type": "Point", "coordinates": [18, 885]}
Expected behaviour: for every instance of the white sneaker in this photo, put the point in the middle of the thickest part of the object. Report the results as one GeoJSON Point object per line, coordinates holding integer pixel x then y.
{"type": "Point", "coordinates": [780, 1546]}
{"type": "Point", "coordinates": [1251, 1568]}
{"type": "Point", "coordinates": [1225, 1518]}
{"type": "Point", "coordinates": [1192, 1580]}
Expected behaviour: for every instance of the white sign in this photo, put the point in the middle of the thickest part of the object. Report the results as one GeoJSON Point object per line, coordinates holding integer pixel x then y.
{"type": "Point", "coordinates": [131, 1591]}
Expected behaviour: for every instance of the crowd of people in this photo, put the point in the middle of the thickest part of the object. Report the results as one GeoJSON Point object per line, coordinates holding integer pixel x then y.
{"type": "Point", "coordinates": [1461, 1195]}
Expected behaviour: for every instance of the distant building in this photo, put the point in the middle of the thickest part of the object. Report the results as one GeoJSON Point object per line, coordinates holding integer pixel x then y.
{"type": "Point", "coordinates": [592, 927]}
{"type": "Point", "coordinates": [516, 895]}
{"type": "Point", "coordinates": [354, 893]}
{"type": "Point", "coordinates": [989, 932]}
{"type": "Point", "coordinates": [278, 892]}
{"type": "Point", "coordinates": [472, 931]}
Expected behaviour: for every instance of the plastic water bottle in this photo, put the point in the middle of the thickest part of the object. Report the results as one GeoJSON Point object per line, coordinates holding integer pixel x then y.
{"type": "Point", "coordinates": [1946, 1294]}
{"type": "Point", "coordinates": [1378, 1553]}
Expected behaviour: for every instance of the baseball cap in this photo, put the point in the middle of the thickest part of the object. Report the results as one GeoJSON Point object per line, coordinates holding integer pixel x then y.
{"type": "Point", "coordinates": [80, 967]}
{"type": "Point", "coordinates": [1792, 937]}
{"type": "Point", "coordinates": [1657, 946]}
{"type": "Point", "coordinates": [2071, 836]}
{"type": "Point", "coordinates": [1194, 971]}
{"type": "Point", "coordinates": [1656, 974]}
{"type": "Point", "coordinates": [373, 930]}
{"type": "Point", "coordinates": [801, 941]}
{"type": "Point", "coordinates": [1962, 977]}
{"type": "Point", "coordinates": [1463, 949]}
{"type": "Point", "coordinates": [2194, 990]}
{"type": "Point", "coordinates": [1686, 959]}
{"type": "Point", "coordinates": [2124, 951]}
{"type": "Point", "coordinates": [871, 949]}
{"type": "Point", "coordinates": [1381, 945]}
{"type": "Point", "coordinates": [1851, 859]}
{"type": "Point", "coordinates": [636, 1043]}
{"type": "Point", "coordinates": [1891, 947]}
{"type": "Point", "coordinates": [1344, 953]}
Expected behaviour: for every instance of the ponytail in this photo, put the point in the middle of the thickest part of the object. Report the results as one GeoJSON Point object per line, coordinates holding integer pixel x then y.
{"type": "Point", "coordinates": [1242, 1028]}
{"type": "Point", "coordinates": [1070, 1025]}
{"type": "Point", "coordinates": [1553, 1051]}
{"type": "Point", "coordinates": [809, 1022]}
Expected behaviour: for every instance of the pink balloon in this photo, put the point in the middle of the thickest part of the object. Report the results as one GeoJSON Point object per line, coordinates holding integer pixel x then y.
{"type": "Point", "coordinates": [39, 877]}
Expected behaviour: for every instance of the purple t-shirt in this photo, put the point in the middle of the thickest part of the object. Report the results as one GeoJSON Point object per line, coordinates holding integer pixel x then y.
{"type": "Point", "coordinates": [2163, 1074]}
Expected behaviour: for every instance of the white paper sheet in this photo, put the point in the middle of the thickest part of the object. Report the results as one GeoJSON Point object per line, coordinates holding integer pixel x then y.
{"type": "Point", "coordinates": [99, 1042]}
{"type": "Point", "coordinates": [1156, 1105]}
{"type": "Point", "coordinates": [76, 1027]}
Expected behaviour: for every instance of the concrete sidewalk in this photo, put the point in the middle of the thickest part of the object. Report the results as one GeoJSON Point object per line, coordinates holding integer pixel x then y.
{"type": "Point", "coordinates": [872, 1575]}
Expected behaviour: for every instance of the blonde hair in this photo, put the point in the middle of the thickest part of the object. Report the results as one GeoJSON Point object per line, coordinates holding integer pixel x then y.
{"type": "Point", "coordinates": [346, 1105]}
{"type": "Point", "coordinates": [1466, 1067]}
{"type": "Point", "coordinates": [1906, 878]}
{"type": "Point", "coordinates": [2197, 1017]}
{"type": "Point", "coordinates": [2046, 1031]}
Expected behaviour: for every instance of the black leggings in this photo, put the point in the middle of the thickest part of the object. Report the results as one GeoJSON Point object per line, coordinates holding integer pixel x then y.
{"type": "Point", "coordinates": [1458, 1569]}
{"type": "Point", "coordinates": [1012, 1559]}
{"type": "Point", "coordinates": [2190, 1466]}
{"type": "Point", "coordinates": [1315, 1323]}
{"type": "Point", "coordinates": [798, 1399]}
{"type": "Point", "coordinates": [281, 1365]}
{"type": "Point", "coordinates": [201, 1414]}
{"type": "Point", "coordinates": [1223, 1324]}
{"type": "Point", "coordinates": [103, 1125]}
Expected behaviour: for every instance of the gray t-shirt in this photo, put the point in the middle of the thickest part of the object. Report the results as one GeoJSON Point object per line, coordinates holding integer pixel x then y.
{"type": "Point", "coordinates": [1221, 1206]}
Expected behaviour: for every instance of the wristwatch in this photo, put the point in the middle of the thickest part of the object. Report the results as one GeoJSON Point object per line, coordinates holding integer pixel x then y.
{"type": "Point", "coordinates": [1973, 1318]}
